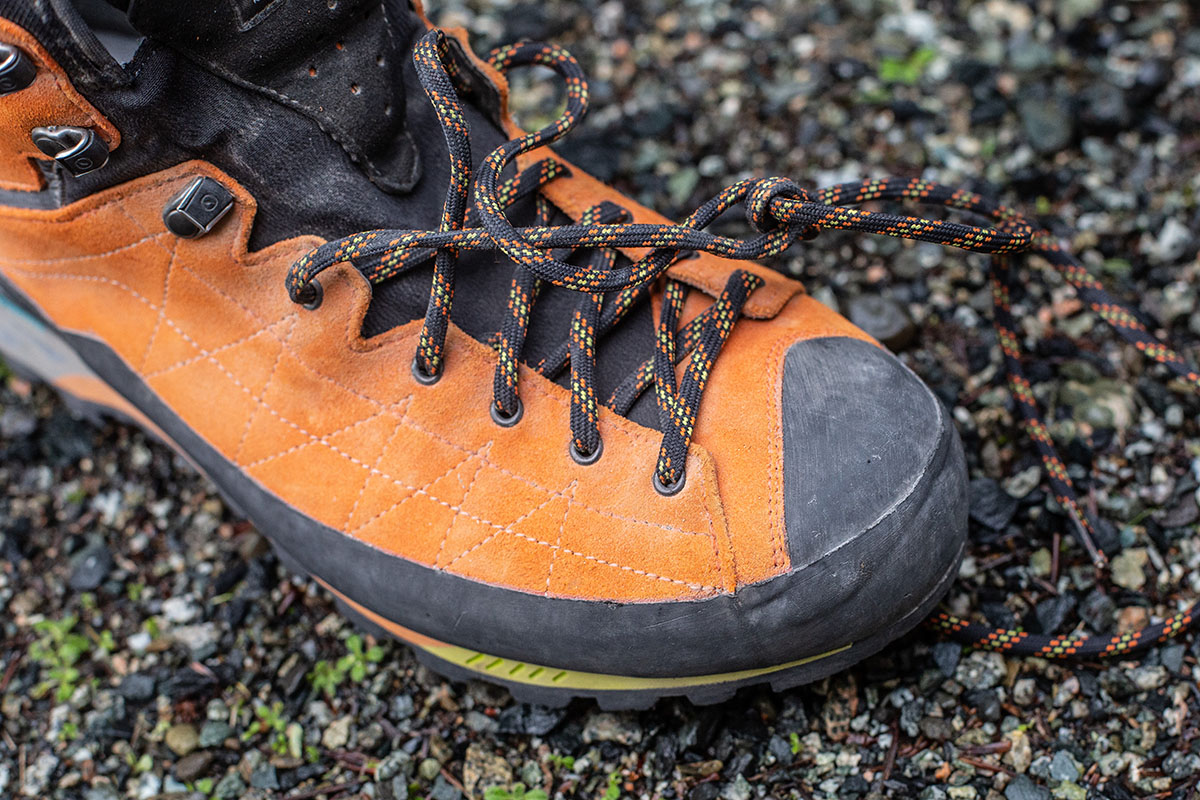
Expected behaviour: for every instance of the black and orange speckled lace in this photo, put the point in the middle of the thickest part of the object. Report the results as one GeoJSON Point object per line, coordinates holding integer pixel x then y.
{"type": "Point", "coordinates": [780, 211]}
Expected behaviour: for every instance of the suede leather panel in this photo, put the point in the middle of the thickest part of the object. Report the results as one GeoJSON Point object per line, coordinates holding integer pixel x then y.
{"type": "Point", "coordinates": [49, 100]}
{"type": "Point", "coordinates": [336, 427]}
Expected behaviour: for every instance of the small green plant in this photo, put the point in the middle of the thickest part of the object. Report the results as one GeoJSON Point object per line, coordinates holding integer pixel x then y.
{"type": "Point", "coordinates": [517, 792]}
{"type": "Point", "coordinates": [204, 786]}
{"type": "Point", "coordinates": [613, 792]}
{"type": "Point", "coordinates": [562, 762]}
{"type": "Point", "coordinates": [69, 732]}
{"type": "Point", "coordinates": [139, 765]}
{"type": "Point", "coordinates": [269, 720]}
{"type": "Point", "coordinates": [58, 650]}
{"type": "Point", "coordinates": [355, 662]}
{"type": "Point", "coordinates": [906, 70]}
{"type": "Point", "coordinates": [327, 676]}
{"type": "Point", "coordinates": [134, 591]}
{"type": "Point", "coordinates": [794, 741]}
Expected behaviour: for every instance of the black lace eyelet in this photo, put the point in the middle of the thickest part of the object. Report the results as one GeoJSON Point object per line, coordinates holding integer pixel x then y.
{"type": "Point", "coordinates": [673, 489]}
{"type": "Point", "coordinates": [507, 420]}
{"type": "Point", "coordinates": [586, 459]}
{"type": "Point", "coordinates": [421, 376]}
{"type": "Point", "coordinates": [312, 296]}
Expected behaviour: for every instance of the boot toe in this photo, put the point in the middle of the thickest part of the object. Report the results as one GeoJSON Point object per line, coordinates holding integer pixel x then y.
{"type": "Point", "coordinates": [875, 485]}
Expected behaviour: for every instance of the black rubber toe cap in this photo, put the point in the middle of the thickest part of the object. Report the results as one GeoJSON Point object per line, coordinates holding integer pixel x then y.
{"type": "Point", "coordinates": [875, 484]}
{"type": "Point", "coordinates": [860, 432]}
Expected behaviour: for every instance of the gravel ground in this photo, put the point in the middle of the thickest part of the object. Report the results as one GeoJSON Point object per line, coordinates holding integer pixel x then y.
{"type": "Point", "coordinates": [151, 645]}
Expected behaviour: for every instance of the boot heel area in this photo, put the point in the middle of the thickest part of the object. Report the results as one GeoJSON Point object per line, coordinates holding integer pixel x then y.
{"type": "Point", "coordinates": [35, 351]}
{"type": "Point", "coordinates": [32, 349]}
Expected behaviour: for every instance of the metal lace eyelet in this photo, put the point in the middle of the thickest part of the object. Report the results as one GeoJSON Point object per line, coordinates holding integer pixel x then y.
{"type": "Point", "coordinates": [312, 295]}
{"type": "Point", "coordinates": [507, 420]}
{"type": "Point", "coordinates": [421, 376]}
{"type": "Point", "coordinates": [672, 489]}
{"type": "Point", "coordinates": [586, 459]}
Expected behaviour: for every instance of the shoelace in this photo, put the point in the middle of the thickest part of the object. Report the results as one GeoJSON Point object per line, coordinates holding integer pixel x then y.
{"type": "Point", "coordinates": [780, 211]}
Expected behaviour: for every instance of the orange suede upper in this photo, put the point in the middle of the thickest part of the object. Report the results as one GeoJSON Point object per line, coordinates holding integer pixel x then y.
{"type": "Point", "coordinates": [49, 100]}
{"type": "Point", "coordinates": [337, 427]}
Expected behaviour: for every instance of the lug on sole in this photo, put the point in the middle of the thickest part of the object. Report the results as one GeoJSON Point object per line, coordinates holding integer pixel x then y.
{"type": "Point", "coordinates": [32, 349]}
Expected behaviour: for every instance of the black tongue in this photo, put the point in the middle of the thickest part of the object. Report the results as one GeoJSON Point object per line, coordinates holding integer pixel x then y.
{"type": "Point", "coordinates": [337, 61]}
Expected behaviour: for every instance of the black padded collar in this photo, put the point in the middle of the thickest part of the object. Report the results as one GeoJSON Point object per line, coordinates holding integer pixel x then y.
{"type": "Point", "coordinates": [338, 63]}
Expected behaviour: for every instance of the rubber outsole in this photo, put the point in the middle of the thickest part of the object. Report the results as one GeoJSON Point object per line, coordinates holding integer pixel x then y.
{"type": "Point", "coordinates": [57, 363]}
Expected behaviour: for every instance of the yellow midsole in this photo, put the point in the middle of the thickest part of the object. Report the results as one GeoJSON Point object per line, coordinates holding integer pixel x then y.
{"type": "Point", "coordinates": [497, 668]}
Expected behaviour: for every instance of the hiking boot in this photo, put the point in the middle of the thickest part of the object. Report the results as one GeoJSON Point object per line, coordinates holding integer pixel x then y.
{"type": "Point", "coordinates": [525, 425]}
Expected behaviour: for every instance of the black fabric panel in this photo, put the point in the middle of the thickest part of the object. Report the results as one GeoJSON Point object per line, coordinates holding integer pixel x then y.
{"type": "Point", "coordinates": [338, 63]}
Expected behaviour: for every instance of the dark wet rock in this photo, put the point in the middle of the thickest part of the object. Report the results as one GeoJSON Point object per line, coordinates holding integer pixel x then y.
{"type": "Point", "coordinates": [937, 728]}
{"type": "Point", "coordinates": [1097, 611]}
{"type": "Point", "coordinates": [990, 504]}
{"type": "Point", "coordinates": [998, 615]}
{"type": "Point", "coordinates": [90, 567]}
{"type": "Point", "coordinates": [193, 766]}
{"type": "Point", "coordinates": [66, 439]}
{"type": "Point", "coordinates": [1047, 121]}
{"type": "Point", "coordinates": [1051, 614]}
{"type": "Point", "coordinates": [444, 790]}
{"type": "Point", "coordinates": [883, 318]}
{"type": "Point", "coordinates": [530, 719]}
{"type": "Point", "coordinates": [705, 791]}
{"type": "Point", "coordinates": [946, 655]}
{"type": "Point", "coordinates": [986, 704]}
{"type": "Point", "coordinates": [1171, 657]}
{"type": "Point", "coordinates": [137, 688]}
{"type": "Point", "coordinates": [1102, 109]}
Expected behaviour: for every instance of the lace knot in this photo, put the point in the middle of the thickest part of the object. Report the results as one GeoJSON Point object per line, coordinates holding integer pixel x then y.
{"type": "Point", "coordinates": [761, 197]}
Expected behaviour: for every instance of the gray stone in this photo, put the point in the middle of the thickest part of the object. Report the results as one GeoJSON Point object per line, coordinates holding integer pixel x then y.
{"type": "Point", "coordinates": [991, 506]}
{"type": "Point", "coordinates": [402, 707]}
{"type": "Point", "coordinates": [230, 786]}
{"type": "Point", "coordinates": [1063, 767]}
{"type": "Point", "coordinates": [264, 777]}
{"type": "Point", "coordinates": [214, 732]}
{"type": "Point", "coordinates": [604, 726]}
{"type": "Point", "coordinates": [1022, 788]}
{"type": "Point", "coordinates": [90, 567]}
{"type": "Point", "coordinates": [201, 638]}
{"type": "Point", "coordinates": [37, 774]}
{"type": "Point", "coordinates": [444, 790]}
{"type": "Point", "coordinates": [946, 655]}
{"type": "Point", "coordinates": [397, 762]}
{"type": "Point", "coordinates": [883, 318]}
{"type": "Point", "coordinates": [1046, 121]}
